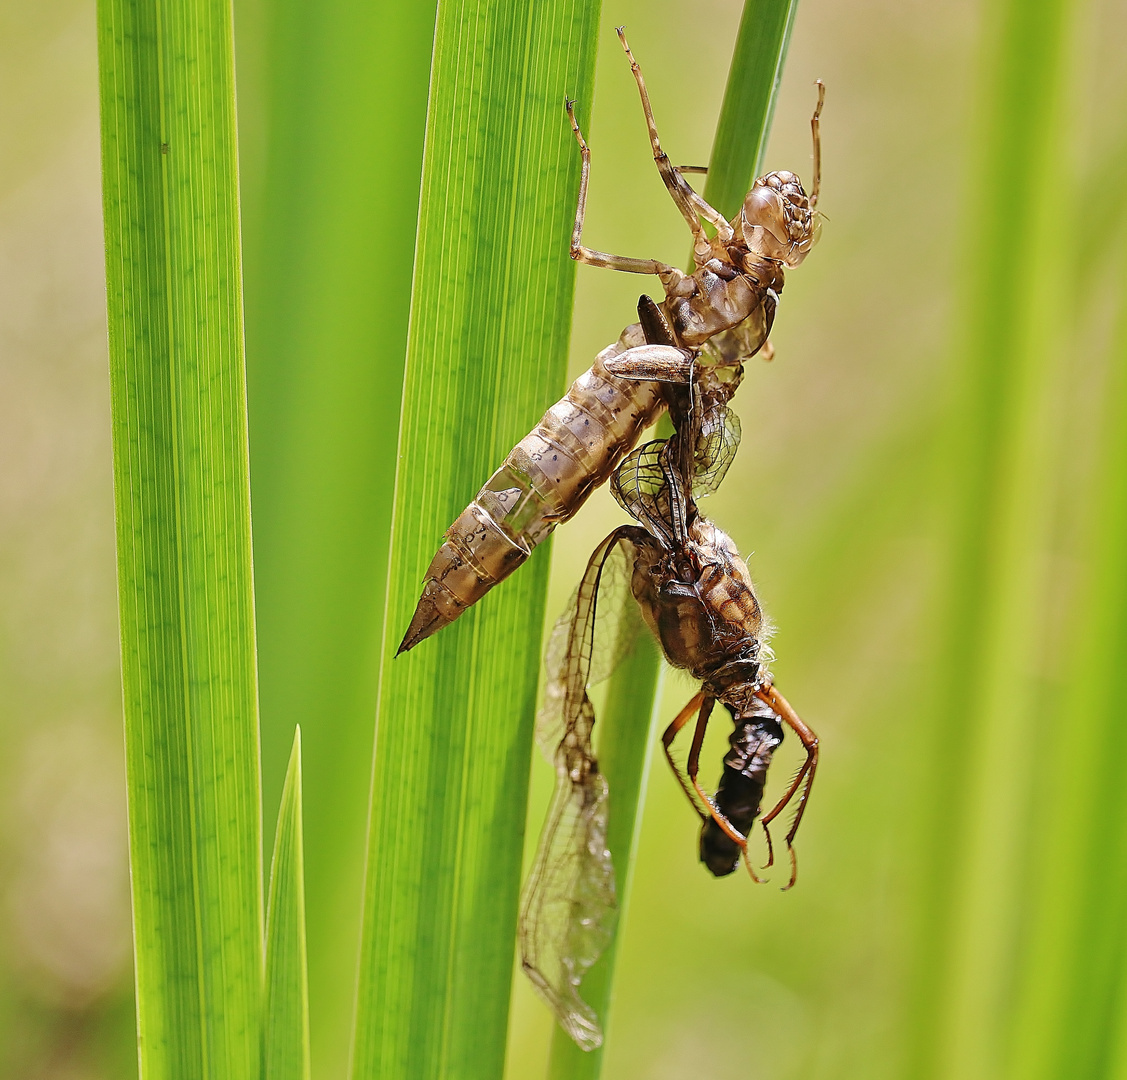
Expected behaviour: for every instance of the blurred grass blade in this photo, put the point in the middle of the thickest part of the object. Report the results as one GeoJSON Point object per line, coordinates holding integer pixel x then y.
{"type": "Point", "coordinates": [1071, 998]}
{"type": "Point", "coordinates": [1072, 988]}
{"type": "Point", "coordinates": [286, 1020]}
{"type": "Point", "coordinates": [183, 533]}
{"type": "Point", "coordinates": [1091, 1025]}
{"type": "Point", "coordinates": [332, 104]}
{"type": "Point", "coordinates": [486, 353]}
{"type": "Point", "coordinates": [749, 102]}
{"type": "Point", "coordinates": [624, 735]}
{"type": "Point", "coordinates": [1004, 469]}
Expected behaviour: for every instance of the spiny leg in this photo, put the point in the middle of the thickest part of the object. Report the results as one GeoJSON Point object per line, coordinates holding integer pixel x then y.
{"type": "Point", "coordinates": [768, 694]}
{"type": "Point", "coordinates": [670, 276]}
{"type": "Point", "coordinates": [693, 764]}
{"type": "Point", "coordinates": [721, 819]}
{"type": "Point", "coordinates": [692, 767]}
{"type": "Point", "coordinates": [678, 484]}
{"type": "Point", "coordinates": [713, 216]}
{"type": "Point", "coordinates": [816, 132]}
{"type": "Point", "coordinates": [705, 209]}
{"type": "Point", "coordinates": [671, 733]}
{"type": "Point", "coordinates": [683, 195]}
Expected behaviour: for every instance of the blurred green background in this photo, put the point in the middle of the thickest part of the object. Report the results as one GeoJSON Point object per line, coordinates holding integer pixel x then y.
{"type": "Point", "coordinates": [931, 493]}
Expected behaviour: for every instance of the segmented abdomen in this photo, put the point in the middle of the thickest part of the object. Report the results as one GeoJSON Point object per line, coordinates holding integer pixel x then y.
{"type": "Point", "coordinates": [738, 798]}
{"type": "Point", "coordinates": [544, 481]}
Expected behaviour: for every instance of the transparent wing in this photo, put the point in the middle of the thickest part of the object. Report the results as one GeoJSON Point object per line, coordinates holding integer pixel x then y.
{"type": "Point", "coordinates": [640, 487]}
{"type": "Point", "coordinates": [717, 443]}
{"type": "Point", "coordinates": [617, 624]}
{"type": "Point", "coordinates": [568, 907]}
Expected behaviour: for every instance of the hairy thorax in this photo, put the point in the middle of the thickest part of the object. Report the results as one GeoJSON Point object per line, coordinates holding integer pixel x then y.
{"type": "Point", "coordinates": [700, 603]}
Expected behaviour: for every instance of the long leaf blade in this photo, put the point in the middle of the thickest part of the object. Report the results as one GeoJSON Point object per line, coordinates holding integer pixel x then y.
{"type": "Point", "coordinates": [333, 102]}
{"type": "Point", "coordinates": [183, 532]}
{"type": "Point", "coordinates": [486, 352]}
{"type": "Point", "coordinates": [285, 1054]}
{"type": "Point", "coordinates": [1004, 439]}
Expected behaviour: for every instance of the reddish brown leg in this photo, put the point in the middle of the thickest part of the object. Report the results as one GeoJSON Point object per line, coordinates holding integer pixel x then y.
{"type": "Point", "coordinates": [698, 739]}
{"type": "Point", "coordinates": [693, 769]}
{"type": "Point", "coordinates": [701, 707]}
{"type": "Point", "coordinates": [804, 779]}
{"type": "Point", "coordinates": [671, 732]}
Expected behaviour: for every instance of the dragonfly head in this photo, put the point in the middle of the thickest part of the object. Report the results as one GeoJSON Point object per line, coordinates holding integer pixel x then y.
{"type": "Point", "coordinates": [778, 220]}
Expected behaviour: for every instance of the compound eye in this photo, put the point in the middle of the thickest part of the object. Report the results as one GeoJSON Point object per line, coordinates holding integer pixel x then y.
{"type": "Point", "coordinates": [804, 239]}
{"type": "Point", "coordinates": [764, 204]}
{"type": "Point", "coordinates": [764, 222]}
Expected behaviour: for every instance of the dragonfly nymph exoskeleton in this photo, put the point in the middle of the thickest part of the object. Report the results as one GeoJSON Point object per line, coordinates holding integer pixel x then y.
{"type": "Point", "coordinates": [721, 314]}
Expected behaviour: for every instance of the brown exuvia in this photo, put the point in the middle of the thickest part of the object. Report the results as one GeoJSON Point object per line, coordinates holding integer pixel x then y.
{"type": "Point", "coordinates": [720, 314]}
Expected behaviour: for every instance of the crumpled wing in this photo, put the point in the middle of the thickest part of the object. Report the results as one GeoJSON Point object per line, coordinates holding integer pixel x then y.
{"type": "Point", "coordinates": [568, 907]}
{"type": "Point", "coordinates": [717, 443]}
{"type": "Point", "coordinates": [640, 487]}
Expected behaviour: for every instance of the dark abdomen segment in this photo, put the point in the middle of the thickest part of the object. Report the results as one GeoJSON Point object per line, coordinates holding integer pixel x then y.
{"type": "Point", "coordinates": [544, 481]}
{"type": "Point", "coordinates": [741, 788]}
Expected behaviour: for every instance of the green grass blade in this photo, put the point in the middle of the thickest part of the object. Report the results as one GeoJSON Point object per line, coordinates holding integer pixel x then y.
{"type": "Point", "coordinates": [624, 736]}
{"type": "Point", "coordinates": [183, 533]}
{"type": "Point", "coordinates": [1005, 452]}
{"type": "Point", "coordinates": [486, 353]}
{"type": "Point", "coordinates": [332, 101]}
{"type": "Point", "coordinates": [285, 1053]}
{"type": "Point", "coordinates": [749, 102]}
{"type": "Point", "coordinates": [1096, 1036]}
{"type": "Point", "coordinates": [1076, 955]}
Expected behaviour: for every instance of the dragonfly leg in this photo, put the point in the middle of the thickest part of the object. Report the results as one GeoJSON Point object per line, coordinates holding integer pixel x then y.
{"type": "Point", "coordinates": [721, 819]}
{"type": "Point", "coordinates": [688, 201]}
{"type": "Point", "coordinates": [816, 133]}
{"type": "Point", "coordinates": [671, 733]}
{"type": "Point", "coordinates": [804, 778]}
{"type": "Point", "coordinates": [713, 216]}
{"type": "Point", "coordinates": [670, 276]}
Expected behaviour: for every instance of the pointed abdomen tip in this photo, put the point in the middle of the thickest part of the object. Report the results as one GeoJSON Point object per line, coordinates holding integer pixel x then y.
{"type": "Point", "coordinates": [437, 607]}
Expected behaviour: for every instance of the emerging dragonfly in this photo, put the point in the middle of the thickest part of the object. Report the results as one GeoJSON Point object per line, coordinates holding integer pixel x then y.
{"type": "Point", "coordinates": [694, 592]}
{"type": "Point", "coordinates": [722, 312]}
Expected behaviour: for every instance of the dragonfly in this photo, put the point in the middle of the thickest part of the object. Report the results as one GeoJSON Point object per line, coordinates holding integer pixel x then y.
{"type": "Point", "coordinates": [722, 313]}
{"type": "Point", "coordinates": [693, 590]}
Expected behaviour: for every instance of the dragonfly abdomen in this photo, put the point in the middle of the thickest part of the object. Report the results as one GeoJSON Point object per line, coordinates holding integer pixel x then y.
{"type": "Point", "coordinates": [544, 481]}
{"type": "Point", "coordinates": [738, 798]}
